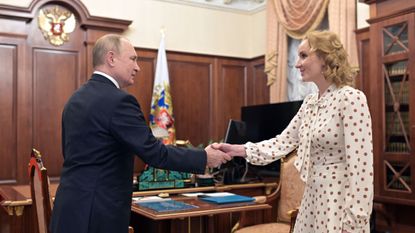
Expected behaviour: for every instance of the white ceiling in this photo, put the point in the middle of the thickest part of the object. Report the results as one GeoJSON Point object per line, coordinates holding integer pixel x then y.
{"type": "Point", "coordinates": [239, 6]}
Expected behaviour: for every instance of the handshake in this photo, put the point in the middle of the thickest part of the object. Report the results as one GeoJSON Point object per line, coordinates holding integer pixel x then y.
{"type": "Point", "coordinates": [219, 153]}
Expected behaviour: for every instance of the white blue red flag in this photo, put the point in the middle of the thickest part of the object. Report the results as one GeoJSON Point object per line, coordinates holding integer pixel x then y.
{"type": "Point", "coordinates": [161, 115]}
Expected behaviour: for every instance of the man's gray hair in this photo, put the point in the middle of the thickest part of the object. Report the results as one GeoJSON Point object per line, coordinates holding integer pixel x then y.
{"type": "Point", "coordinates": [103, 45]}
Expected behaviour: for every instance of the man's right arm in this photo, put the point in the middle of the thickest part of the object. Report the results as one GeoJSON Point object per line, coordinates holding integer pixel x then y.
{"type": "Point", "coordinates": [129, 127]}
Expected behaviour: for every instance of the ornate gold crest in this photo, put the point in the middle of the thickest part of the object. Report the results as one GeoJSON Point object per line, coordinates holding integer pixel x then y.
{"type": "Point", "coordinates": [56, 23]}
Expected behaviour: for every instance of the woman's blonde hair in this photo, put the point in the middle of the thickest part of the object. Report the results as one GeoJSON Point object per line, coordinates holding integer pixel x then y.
{"type": "Point", "coordinates": [328, 47]}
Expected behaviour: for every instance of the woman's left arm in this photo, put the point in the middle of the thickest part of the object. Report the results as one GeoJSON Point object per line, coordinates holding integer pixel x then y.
{"type": "Point", "coordinates": [359, 157]}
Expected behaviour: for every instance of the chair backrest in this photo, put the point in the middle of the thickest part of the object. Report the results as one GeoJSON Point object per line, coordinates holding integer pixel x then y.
{"type": "Point", "coordinates": [292, 188]}
{"type": "Point", "coordinates": [39, 188]}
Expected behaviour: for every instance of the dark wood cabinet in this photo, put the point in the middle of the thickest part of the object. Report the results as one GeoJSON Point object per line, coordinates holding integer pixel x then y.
{"type": "Point", "coordinates": [387, 56]}
{"type": "Point", "coordinates": [390, 79]}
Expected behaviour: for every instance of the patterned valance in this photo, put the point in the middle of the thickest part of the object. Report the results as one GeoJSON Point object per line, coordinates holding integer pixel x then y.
{"type": "Point", "coordinates": [300, 16]}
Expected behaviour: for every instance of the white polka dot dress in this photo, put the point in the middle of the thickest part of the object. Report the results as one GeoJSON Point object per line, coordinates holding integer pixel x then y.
{"type": "Point", "coordinates": [333, 135]}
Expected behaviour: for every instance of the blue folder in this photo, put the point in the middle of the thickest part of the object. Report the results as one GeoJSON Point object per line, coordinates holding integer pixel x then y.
{"type": "Point", "coordinates": [228, 199]}
{"type": "Point", "coordinates": [167, 206]}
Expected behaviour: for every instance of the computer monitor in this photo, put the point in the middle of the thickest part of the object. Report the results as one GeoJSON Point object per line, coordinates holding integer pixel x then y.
{"type": "Point", "coordinates": [234, 171]}
{"type": "Point", "coordinates": [268, 120]}
{"type": "Point", "coordinates": [236, 132]}
{"type": "Point", "coordinates": [259, 122]}
{"type": "Point", "coordinates": [263, 122]}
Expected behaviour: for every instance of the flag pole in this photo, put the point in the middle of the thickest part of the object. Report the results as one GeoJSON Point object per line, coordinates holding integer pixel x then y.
{"type": "Point", "coordinates": [162, 29]}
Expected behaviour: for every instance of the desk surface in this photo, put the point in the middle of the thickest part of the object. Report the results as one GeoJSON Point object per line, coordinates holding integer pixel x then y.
{"type": "Point", "coordinates": [216, 188]}
{"type": "Point", "coordinates": [205, 208]}
{"type": "Point", "coordinates": [20, 194]}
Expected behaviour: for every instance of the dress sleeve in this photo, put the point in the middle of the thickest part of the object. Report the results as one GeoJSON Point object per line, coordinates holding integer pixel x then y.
{"type": "Point", "coordinates": [359, 158]}
{"type": "Point", "coordinates": [268, 151]}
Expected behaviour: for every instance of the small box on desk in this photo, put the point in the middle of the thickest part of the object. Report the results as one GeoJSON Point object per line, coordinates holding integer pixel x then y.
{"type": "Point", "coordinates": [227, 199]}
{"type": "Point", "coordinates": [154, 178]}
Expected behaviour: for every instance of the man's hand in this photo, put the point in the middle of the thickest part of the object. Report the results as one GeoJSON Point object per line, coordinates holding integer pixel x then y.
{"type": "Point", "coordinates": [230, 149]}
{"type": "Point", "coordinates": [216, 157]}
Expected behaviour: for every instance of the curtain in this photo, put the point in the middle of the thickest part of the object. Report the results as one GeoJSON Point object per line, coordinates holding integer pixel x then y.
{"type": "Point", "coordinates": [295, 18]}
{"type": "Point", "coordinates": [300, 16]}
{"type": "Point", "coordinates": [276, 57]}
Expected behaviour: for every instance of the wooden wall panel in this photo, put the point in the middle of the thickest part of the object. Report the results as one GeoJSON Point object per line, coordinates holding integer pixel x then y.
{"type": "Point", "coordinates": [232, 84]}
{"type": "Point", "coordinates": [8, 89]}
{"type": "Point", "coordinates": [52, 89]}
{"type": "Point", "coordinates": [190, 90]}
{"type": "Point", "coordinates": [14, 101]}
{"type": "Point", "coordinates": [260, 90]}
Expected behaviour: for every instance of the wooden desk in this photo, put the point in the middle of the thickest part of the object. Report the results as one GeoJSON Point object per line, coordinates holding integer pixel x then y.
{"type": "Point", "coordinates": [180, 221]}
{"type": "Point", "coordinates": [205, 219]}
{"type": "Point", "coordinates": [17, 214]}
{"type": "Point", "coordinates": [205, 208]}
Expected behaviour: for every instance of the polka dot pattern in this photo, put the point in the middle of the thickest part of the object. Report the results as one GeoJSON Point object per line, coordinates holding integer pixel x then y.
{"type": "Point", "coordinates": [333, 137]}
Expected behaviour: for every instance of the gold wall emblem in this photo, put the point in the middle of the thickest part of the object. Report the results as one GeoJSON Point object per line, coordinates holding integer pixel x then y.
{"type": "Point", "coordinates": [56, 23]}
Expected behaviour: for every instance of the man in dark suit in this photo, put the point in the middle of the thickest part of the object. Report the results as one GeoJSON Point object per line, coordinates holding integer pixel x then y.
{"type": "Point", "coordinates": [102, 129]}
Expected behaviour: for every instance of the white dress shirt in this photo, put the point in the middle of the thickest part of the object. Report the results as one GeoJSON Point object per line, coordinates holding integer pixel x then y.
{"type": "Point", "coordinates": [108, 77]}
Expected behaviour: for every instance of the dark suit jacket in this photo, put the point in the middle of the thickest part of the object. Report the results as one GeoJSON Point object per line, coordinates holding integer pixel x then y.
{"type": "Point", "coordinates": [102, 128]}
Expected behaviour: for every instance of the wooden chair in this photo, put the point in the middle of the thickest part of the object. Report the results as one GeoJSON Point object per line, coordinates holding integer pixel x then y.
{"type": "Point", "coordinates": [288, 194]}
{"type": "Point", "coordinates": [39, 188]}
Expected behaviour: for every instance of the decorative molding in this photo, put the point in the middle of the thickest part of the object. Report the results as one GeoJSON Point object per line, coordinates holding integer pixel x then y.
{"type": "Point", "coordinates": [56, 23]}
{"type": "Point", "coordinates": [85, 19]}
{"type": "Point", "coordinates": [235, 6]}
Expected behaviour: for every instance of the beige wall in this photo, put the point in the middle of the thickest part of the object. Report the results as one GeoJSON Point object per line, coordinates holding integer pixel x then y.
{"type": "Point", "coordinates": [195, 29]}
{"type": "Point", "coordinates": [362, 14]}
{"type": "Point", "coordinates": [189, 28]}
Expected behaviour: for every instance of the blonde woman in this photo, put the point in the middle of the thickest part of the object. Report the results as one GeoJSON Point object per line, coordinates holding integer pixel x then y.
{"type": "Point", "coordinates": [332, 133]}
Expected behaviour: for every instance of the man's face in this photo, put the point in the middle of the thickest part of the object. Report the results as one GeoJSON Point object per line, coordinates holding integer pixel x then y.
{"type": "Point", "coordinates": [126, 66]}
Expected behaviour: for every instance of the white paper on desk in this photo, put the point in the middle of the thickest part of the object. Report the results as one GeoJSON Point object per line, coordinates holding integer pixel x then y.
{"type": "Point", "coordinates": [192, 194]}
{"type": "Point", "coordinates": [149, 199]}
{"type": "Point", "coordinates": [219, 194]}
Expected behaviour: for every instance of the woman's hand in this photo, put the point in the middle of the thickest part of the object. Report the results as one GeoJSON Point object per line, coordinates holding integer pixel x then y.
{"type": "Point", "coordinates": [230, 149]}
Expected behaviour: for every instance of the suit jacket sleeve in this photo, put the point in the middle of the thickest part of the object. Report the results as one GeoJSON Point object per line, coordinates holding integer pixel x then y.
{"type": "Point", "coordinates": [130, 129]}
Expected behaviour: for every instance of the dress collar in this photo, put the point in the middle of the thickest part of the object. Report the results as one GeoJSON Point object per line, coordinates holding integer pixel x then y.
{"type": "Point", "coordinates": [322, 101]}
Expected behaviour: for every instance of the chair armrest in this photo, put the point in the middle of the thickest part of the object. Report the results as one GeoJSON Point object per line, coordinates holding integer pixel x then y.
{"type": "Point", "coordinates": [244, 218]}
{"type": "Point", "coordinates": [293, 214]}
{"type": "Point", "coordinates": [260, 199]}
{"type": "Point", "coordinates": [130, 229]}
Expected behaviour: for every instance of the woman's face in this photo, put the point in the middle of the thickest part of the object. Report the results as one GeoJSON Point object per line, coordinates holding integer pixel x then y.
{"type": "Point", "coordinates": [309, 64]}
